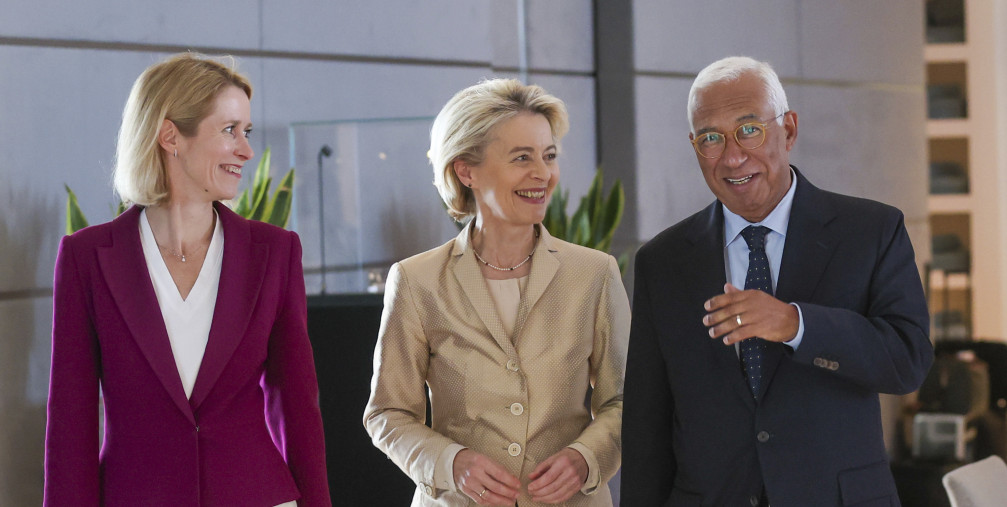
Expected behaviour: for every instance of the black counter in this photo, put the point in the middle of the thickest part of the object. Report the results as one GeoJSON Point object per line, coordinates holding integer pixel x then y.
{"type": "Point", "coordinates": [343, 331]}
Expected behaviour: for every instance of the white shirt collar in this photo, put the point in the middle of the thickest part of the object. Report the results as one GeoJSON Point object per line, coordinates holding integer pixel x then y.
{"type": "Point", "coordinates": [777, 220]}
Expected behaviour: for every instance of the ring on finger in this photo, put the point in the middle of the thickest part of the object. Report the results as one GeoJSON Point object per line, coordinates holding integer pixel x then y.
{"type": "Point", "coordinates": [737, 318]}
{"type": "Point", "coordinates": [481, 493]}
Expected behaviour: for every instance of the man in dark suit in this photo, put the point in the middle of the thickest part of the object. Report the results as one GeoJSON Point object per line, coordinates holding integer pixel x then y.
{"type": "Point", "coordinates": [765, 325]}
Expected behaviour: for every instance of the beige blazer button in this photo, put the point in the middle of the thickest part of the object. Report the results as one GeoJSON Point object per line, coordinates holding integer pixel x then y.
{"type": "Point", "coordinates": [427, 489]}
{"type": "Point", "coordinates": [512, 365]}
{"type": "Point", "coordinates": [516, 408]}
{"type": "Point", "coordinates": [514, 449]}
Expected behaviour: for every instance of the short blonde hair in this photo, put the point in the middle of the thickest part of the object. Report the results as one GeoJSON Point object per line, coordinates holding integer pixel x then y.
{"type": "Point", "coordinates": [182, 89]}
{"type": "Point", "coordinates": [464, 127]}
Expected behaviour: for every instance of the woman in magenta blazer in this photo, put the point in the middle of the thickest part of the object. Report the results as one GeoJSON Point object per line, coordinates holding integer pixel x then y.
{"type": "Point", "coordinates": [190, 319]}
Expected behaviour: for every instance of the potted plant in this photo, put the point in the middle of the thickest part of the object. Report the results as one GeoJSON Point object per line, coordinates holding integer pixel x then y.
{"type": "Point", "coordinates": [594, 222]}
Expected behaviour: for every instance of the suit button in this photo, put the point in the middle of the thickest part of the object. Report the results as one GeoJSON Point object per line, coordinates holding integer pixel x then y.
{"type": "Point", "coordinates": [763, 436]}
{"type": "Point", "coordinates": [819, 362]}
{"type": "Point", "coordinates": [516, 408]}
{"type": "Point", "coordinates": [514, 449]}
{"type": "Point", "coordinates": [833, 365]}
{"type": "Point", "coordinates": [754, 500]}
{"type": "Point", "coordinates": [427, 489]}
{"type": "Point", "coordinates": [512, 365]}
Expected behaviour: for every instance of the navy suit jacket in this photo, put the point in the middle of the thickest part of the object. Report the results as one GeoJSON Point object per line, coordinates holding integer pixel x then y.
{"type": "Point", "coordinates": [250, 434]}
{"type": "Point", "coordinates": [692, 432]}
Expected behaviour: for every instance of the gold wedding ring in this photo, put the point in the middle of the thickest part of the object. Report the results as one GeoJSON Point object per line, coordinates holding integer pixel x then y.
{"type": "Point", "coordinates": [737, 318]}
{"type": "Point", "coordinates": [482, 493]}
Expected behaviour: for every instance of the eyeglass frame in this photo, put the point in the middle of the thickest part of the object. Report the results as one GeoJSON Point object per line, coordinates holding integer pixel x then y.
{"type": "Point", "coordinates": [762, 125]}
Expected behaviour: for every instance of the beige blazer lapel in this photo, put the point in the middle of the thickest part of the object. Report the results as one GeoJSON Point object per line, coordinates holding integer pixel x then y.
{"type": "Point", "coordinates": [466, 271]}
{"type": "Point", "coordinates": [543, 268]}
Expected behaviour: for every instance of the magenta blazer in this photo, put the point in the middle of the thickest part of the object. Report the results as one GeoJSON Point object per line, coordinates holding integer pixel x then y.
{"type": "Point", "coordinates": [251, 433]}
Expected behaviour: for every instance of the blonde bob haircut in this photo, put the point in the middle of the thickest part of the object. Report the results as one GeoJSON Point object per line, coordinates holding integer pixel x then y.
{"type": "Point", "coordinates": [181, 89]}
{"type": "Point", "coordinates": [464, 128]}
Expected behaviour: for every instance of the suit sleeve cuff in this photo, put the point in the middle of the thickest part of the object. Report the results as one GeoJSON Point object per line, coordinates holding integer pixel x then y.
{"type": "Point", "coordinates": [444, 473]}
{"type": "Point", "coordinates": [796, 342]}
{"type": "Point", "coordinates": [593, 476]}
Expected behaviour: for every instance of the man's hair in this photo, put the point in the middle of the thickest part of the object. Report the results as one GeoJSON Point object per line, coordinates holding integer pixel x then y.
{"type": "Point", "coordinates": [731, 69]}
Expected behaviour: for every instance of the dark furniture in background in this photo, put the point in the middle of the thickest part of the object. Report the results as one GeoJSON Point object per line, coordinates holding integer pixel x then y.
{"type": "Point", "coordinates": [919, 481]}
{"type": "Point", "coordinates": [343, 331]}
{"type": "Point", "coordinates": [994, 353]}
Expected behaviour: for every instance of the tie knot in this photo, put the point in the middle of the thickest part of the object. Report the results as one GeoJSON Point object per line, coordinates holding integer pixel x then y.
{"type": "Point", "coordinates": [755, 236]}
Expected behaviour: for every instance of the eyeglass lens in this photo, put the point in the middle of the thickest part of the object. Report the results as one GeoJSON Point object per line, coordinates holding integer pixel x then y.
{"type": "Point", "coordinates": [748, 135]}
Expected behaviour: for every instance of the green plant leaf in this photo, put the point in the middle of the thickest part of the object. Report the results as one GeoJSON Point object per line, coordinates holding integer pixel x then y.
{"type": "Point", "coordinates": [278, 212]}
{"type": "Point", "coordinates": [260, 200]}
{"type": "Point", "coordinates": [260, 188]}
{"type": "Point", "coordinates": [594, 204]}
{"type": "Point", "coordinates": [580, 227]}
{"type": "Point", "coordinates": [555, 214]}
{"type": "Point", "coordinates": [242, 208]}
{"type": "Point", "coordinates": [75, 219]}
{"type": "Point", "coordinates": [610, 216]}
{"type": "Point", "coordinates": [623, 261]}
{"type": "Point", "coordinates": [262, 171]}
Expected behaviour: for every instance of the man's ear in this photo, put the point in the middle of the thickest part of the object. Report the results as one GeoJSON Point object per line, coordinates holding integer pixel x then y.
{"type": "Point", "coordinates": [464, 172]}
{"type": "Point", "coordinates": [790, 126]}
{"type": "Point", "coordinates": [167, 136]}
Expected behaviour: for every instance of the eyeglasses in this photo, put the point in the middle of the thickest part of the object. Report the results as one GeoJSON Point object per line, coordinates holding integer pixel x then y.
{"type": "Point", "coordinates": [749, 136]}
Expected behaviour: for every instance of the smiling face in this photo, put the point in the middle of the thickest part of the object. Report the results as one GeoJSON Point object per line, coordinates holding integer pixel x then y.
{"type": "Point", "coordinates": [515, 180]}
{"type": "Point", "coordinates": [748, 182]}
{"type": "Point", "coordinates": [210, 162]}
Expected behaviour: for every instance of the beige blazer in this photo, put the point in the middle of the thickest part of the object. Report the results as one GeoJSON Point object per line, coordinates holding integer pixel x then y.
{"type": "Point", "coordinates": [517, 399]}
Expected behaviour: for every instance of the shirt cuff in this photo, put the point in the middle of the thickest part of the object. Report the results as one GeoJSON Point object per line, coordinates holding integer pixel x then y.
{"type": "Point", "coordinates": [593, 477]}
{"type": "Point", "coordinates": [444, 472]}
{"type": "Point", "coordinates": [796, 342]}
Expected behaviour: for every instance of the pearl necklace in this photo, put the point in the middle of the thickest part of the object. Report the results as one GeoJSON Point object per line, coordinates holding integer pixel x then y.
{"type": "Point", "coordinates": [512, 268]}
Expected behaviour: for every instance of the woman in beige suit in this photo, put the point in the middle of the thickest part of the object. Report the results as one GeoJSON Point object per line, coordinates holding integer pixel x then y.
{"type": "Point", "coordinates": [508, 327]}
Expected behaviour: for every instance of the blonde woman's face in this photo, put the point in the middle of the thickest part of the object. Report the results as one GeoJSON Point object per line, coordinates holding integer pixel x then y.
{"type": "Point", "coordinates": [212, 160]}
{"type": "Point", "coordinates": [519, 172]}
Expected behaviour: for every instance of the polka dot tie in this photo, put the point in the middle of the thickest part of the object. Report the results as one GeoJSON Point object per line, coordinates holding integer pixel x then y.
{"type": "Point", "coordinates": [758, 277]}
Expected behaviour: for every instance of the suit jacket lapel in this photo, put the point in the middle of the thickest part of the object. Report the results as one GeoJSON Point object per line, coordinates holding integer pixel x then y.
{"type": "Point", "coordinates": [466, 271]}
{"type": "Point", "coordinates": [808, 248]}
{"type": "Point", "coordinates": [241, 275]}
{"type": "Point", "coordinates": [124, 269]}
{"type": "Point", "coordinates": [709, 276]}
{"type": "Point", "coordinates": [806, 253]}
{"type": "Point", "coordinates": [543, 269]}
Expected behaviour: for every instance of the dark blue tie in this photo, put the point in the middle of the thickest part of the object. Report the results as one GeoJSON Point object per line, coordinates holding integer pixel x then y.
{"type": "Point", "coordinates": [758, 278]}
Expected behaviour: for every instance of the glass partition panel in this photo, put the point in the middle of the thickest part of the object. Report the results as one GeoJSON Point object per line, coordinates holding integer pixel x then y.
{"type": "Point", "coordinates": [363, 199]}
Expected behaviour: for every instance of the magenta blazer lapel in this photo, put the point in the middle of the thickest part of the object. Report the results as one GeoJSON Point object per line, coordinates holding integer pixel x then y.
{"type": "Point", "coordinates": [125, 271]}
{"type": "Point", "coordinates": [241, 275]}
